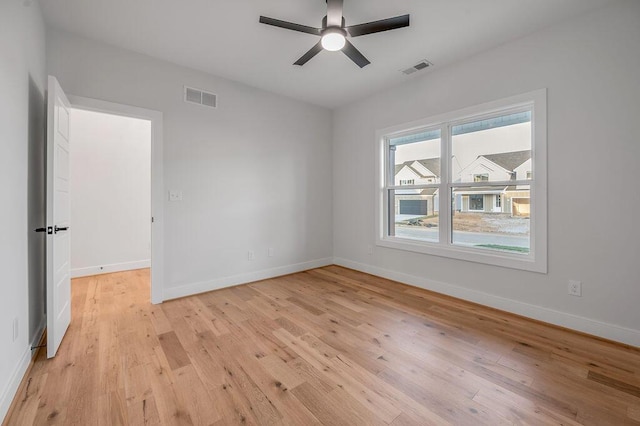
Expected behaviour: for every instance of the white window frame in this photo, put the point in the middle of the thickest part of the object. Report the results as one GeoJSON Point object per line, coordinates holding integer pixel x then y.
{"type": "Point", "coordinates": [536, 259]}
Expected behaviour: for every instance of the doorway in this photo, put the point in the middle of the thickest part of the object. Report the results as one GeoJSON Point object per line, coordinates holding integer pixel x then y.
{"type": "Point", "coordinates": [116, 174]}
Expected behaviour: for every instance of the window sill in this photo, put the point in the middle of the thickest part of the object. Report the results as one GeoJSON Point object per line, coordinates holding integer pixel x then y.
{"type": "Point", "coordinates": [487, 257]}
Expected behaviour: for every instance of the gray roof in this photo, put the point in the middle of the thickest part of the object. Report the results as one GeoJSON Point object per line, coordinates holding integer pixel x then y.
{"type": "Point", "coordinates": [429, 191]}
{"type": "Point", "coordinates": [509, 160]}
{"type": "Point", "coordinates": [433, 164]}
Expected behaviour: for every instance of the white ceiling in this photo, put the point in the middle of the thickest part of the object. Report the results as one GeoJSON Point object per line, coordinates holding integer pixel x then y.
{"type": "Point", "coordinates": [224, 38]}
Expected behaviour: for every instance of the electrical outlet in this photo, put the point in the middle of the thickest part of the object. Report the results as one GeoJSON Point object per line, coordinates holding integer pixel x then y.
{"type": "Point", "coordinates": [251, 255]}
{"type": "Point", "coordinates": [575, 288]}
{"type": "Point", "coordinates": [15, 329]}
{"type": "Point", "coordinates": [175, 195]}
{"type": "Point", "coordinates": [271, 252]}
{"type": "Point", "coordinates": [369, 249]}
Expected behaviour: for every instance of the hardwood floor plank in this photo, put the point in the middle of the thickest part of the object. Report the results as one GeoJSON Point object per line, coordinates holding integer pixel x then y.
{"type": "Point", "coordinates": [277, 391]}
{"type": "Point", "coordinates": [518, 410]}
{"type": "Point", "coordinates": [265, 341]}
{"type": "Point", "coordinates": [171, 409]}
{"type": "Point", "coordinates": [175, 353]}
{"type": "Point", "coordinates": [142, 412]}
{"type": "Point", "coordinates": [443, 401]}
{"type": "Point", "coordinates": [334, 408]}
{"type": "Point", "coordinates": [29, 399]}
{"type": "Point", "coordinates": [330, 346]}
{"type": "Point", "coordinates": [198, 401]}
{"type": "Point", "coordinates": [311, 375]}
{"type": "Point", "coordinates": [306, 306]}
{"type": "Point", "coordinates": [284, 376]}
{"type": "Point", "coordinates": [112, 409]}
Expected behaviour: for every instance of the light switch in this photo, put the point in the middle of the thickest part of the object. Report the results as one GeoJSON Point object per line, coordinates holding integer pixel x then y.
{"type": "Point", "coordinates": [175, 195]}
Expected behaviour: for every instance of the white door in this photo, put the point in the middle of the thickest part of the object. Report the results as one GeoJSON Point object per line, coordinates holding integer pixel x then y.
{"type": "Point", "coordinates": [58, 241]}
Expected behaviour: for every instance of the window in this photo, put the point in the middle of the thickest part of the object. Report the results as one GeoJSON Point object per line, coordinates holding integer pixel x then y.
{"type": "Point", "coordinates": [476, 202]}
{"type": "Point", "coordinates": [479, 161]}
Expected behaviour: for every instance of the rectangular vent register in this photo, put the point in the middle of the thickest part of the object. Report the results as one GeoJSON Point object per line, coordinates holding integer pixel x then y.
{"type": "Point", "coordinates": [200, 97]}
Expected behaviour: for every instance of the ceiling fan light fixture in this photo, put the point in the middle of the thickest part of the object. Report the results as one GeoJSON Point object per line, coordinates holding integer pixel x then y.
{"type": "Point", "coordinates": [333, 39]}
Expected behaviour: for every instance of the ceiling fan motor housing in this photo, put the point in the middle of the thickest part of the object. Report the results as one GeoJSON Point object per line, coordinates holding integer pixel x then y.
{"type": "Point", "coordinates": [324, 22]}
{"type": "Point", "coordinates": [334, 32]}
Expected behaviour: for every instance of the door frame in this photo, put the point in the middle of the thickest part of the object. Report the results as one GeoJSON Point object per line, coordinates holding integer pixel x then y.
{"type": "Point", "coordinates": [157, 181]}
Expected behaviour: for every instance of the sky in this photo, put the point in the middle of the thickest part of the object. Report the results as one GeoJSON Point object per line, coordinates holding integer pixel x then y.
{"type": "Point", "coordinates": [467, 147]}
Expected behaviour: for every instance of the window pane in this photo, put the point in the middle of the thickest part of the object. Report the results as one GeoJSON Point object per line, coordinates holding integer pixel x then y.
{"type": "Point", "coordinates": [414, 213]}
{"type": "Point", "coordinates": [416, 158]}
{"type": "Point", "coordinates": [492, 217]}
{"type": "Point", "coordinates": [492, 150]}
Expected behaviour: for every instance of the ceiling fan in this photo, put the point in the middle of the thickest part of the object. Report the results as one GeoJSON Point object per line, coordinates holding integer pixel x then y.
{"type": "Point", "coordinates": [334, 32]}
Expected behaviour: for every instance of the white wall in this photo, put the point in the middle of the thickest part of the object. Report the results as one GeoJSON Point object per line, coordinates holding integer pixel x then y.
{"type": "Point", "coordinates": [254, 173]}
{"type": "Point", "coordinates": [22, 89]}
{"type": "Point", "coordinates": [590, 67]}
{"type": "Point", "coordinates": [110, 178]}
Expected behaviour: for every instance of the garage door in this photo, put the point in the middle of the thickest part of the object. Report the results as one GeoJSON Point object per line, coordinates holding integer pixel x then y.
{"type": "Point", "coordinates": [417, 207]}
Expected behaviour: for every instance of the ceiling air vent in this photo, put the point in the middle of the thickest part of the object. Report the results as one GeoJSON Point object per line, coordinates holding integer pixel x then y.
{"type": "Point", "coordinates": [422, 65]}
{"type": "Point", "coordinates": [200, 97]}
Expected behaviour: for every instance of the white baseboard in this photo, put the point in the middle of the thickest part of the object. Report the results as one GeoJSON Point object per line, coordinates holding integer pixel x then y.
{"type": "Point", "coordinates": [9, 393]}
{"type": "Point", "coordinates": [107, 269]}
{"type": "Point", "coordinates": [204, 286]}
{"type": "Point", "coordinates": [596, 328]}
{"type": "Point", "coordinates": [10, 390]}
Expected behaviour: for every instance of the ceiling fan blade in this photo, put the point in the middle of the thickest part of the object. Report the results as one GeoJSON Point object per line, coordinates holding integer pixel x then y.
{"type": "Point", "coordinates": [378, 26]}
{"type": "Point", "coordinates": [310, 54]}
{"type": "Point", "coordinates": [334, 13]}
{"type": "Point", "coordinates": [355, 55]}
{"type": "Point", "coordinates": [289, 25]}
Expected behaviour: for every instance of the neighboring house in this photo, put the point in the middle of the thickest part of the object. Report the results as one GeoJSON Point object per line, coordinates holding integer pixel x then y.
{"type": "Point", "coordinates": [488, 168]}
{"type": "Point", "coordinates": [423, 202]}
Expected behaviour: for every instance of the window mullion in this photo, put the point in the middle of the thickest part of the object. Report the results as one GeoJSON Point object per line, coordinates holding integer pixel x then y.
{"type": "Point", "coordinates": [493, 183]}
{"type": "Point", "coordinates": [389, 180]}
{"type": "Point", "coordinates": [444, 216]}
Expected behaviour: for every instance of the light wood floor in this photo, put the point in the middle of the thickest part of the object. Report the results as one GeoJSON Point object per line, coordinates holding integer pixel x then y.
{"type": "Point", "coordinates": [329, 346]}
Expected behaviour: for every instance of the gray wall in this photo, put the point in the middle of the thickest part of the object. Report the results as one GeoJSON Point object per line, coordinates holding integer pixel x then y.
{"type": "Point", "coordinates": [590, 67]}
{"type": "Point", "coordinates": [255, 173]}
{"type": "Point", "coordinates": [22, 89]}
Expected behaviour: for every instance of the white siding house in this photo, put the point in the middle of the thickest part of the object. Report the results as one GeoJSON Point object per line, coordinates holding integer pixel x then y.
{"type": "Point", "coordinates": [418, 202]}
{"type": "Point", "coordinates": [502, 167]}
